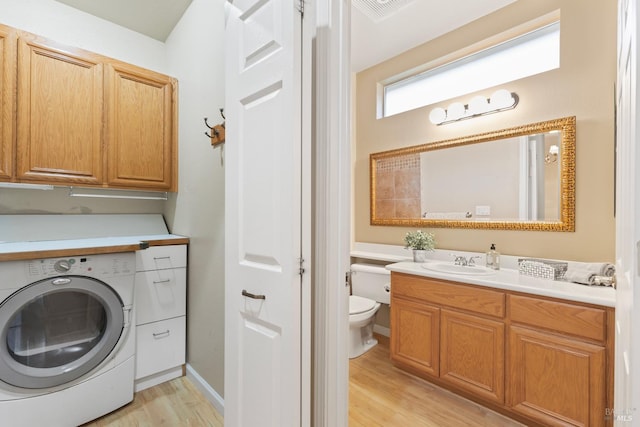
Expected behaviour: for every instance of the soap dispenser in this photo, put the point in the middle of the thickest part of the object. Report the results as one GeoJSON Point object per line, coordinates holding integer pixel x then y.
{"type": "Point", "coordinates": [493, 258]}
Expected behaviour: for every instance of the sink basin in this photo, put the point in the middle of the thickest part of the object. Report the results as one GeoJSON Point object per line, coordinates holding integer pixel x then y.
{"type": "Point", "coordinates": [448, 267]}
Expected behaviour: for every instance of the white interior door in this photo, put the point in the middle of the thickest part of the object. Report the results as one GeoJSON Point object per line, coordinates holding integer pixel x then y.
{"type": "Point", "coordinates": [627, 388]}
{"type": "Point", "coordinates": [263, 213]}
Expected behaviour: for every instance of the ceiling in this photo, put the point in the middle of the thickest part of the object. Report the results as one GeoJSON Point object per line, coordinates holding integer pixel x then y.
{"type": "Point", "coordinates": [412, 23]}
{"type": "Point", "coordinates": [154, 18]}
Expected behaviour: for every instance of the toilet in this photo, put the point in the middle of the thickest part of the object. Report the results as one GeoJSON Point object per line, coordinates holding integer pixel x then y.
{"type": "Point", "coordinates": [370, 286]}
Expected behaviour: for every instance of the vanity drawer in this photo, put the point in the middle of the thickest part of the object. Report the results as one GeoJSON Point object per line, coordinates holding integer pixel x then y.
{"type": "Point", "coordinates": [575, 319]}
{"type": "Point", "coordinates": [442, 292]}
{"type": "Point", "coordinates": [161, 257]}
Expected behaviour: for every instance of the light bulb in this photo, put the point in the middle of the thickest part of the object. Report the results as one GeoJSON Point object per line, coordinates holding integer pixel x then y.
{"type": "Point", "coordinates": [437, 115]}
{"type": "Point", "coordinates": [478, 105]}
{"type": "Point", "coordinates": [554, 149]}
{"type": "Point", "coordinates": [455, 111]}
{"type": "Point", "coordinates": [501, 99]}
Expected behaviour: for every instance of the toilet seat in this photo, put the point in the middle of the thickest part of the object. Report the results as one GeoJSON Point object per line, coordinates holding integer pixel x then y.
{"type": "Point", "coordinates": [359, 304]}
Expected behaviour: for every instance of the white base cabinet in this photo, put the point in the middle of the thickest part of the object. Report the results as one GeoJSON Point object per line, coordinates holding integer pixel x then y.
{"type": "Point", "coordinates": [161, 302]}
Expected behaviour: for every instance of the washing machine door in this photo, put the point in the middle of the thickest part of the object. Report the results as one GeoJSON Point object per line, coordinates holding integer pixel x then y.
{"type": "Point", "coordinates": [58, 329]}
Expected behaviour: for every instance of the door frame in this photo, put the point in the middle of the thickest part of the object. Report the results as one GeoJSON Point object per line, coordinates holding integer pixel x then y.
{"type": "Point", "coordinates": [326, 121]}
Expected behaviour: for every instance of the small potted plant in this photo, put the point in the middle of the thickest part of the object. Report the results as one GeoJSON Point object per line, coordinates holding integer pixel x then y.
{"type": "Point", "coordinates": [421, 242]}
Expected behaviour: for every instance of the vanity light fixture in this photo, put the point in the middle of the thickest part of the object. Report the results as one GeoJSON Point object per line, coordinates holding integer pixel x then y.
{"type": "Point", "coordinates": [500, 100]}
{"type": "Point", "coordinates": [552, 155]}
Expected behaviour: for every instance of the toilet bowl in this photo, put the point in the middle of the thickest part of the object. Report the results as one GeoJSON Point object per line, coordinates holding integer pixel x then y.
{"type": "Point", "coordinates": [370, 286]}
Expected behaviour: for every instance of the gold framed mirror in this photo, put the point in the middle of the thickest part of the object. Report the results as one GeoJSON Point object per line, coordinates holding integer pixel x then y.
{"type": "Point", "coordinates": [521, 178]}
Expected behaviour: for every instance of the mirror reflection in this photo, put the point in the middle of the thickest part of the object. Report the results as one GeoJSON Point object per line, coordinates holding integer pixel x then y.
{"type": "Point", "coordinates": [519, 178]}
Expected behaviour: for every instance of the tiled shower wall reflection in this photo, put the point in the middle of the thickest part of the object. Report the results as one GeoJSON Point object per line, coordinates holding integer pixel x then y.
{"type": "Point", "coordinates": [398, 187]}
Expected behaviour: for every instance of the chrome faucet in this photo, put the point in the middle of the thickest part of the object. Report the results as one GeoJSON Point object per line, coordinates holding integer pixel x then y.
{"type": "Point", "coordinates": [471, 260]}
{"type": "Point", "coordinates": [461, 260]}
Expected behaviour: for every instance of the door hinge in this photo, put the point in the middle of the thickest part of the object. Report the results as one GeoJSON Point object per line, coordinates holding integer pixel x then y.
{"type": "Point", "coordinates": [347, 278]}
{"type": "Point", "coordinates": [301, 268]}
{"type": "Point", "coordinates": [301, 8]}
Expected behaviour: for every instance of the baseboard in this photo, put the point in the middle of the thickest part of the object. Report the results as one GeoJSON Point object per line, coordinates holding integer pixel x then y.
{"type": "Point", "coordinates": [211, 395]}
{"type": "Point", "coordinates": [382, 330]}
{"type": "Point", "coordinates": [158, 378]}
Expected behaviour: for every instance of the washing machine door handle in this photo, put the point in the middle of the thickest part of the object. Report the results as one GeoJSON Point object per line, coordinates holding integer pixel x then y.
{"type": "Point", "coordinates": [60, 281]}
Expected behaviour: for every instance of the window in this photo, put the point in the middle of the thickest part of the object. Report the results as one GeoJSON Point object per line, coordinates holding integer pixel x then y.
{"type": "Point", "coordinates": [529, 54]}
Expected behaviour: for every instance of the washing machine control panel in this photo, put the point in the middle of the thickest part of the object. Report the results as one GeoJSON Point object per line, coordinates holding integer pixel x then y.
{"type": "Point", "coordinates": [102, 265]}
{"type": "Point", "coordinates": [62, 266]}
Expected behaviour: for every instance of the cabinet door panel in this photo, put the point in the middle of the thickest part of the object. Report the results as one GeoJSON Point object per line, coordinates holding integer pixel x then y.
{"type": "Point", "coordinates": [472, 354]}
{"type": "Point", "coordinates": [7, 100]}
{"type": "Point", "coordinates": [415, 331]}
{"type": "Point", "coordinates": [59, 115]}
{"type": "Point", "coordinates": [141, 128]}
{"type": "Point", "coordinates": [555, 380]}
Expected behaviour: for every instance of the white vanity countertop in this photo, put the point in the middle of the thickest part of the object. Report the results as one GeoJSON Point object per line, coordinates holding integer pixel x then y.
{"type": "Point", "coordinates": [510, 279]}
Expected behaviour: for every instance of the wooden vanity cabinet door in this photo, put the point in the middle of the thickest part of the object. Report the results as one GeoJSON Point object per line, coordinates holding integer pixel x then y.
{"type": "Point", "coordinates": [141, 128]}
{"type": "Point", "coordinates": [59, 114]}
{"type": "Point", "coordinates": [472, 354]}
{"type": "Point", "coordinates": [556, 380]}
{"type": "Point", "coordinates": [7, 100]}
{"type": "Point", "coordinates": [415, 336]}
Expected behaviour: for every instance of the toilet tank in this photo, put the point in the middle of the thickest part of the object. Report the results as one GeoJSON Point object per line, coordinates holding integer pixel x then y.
{"type": "Point", "coordinates": [371, 281]}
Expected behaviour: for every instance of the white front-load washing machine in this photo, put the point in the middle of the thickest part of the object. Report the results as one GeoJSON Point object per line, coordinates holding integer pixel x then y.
{"type": "Point", "coordinates": [67, 339]}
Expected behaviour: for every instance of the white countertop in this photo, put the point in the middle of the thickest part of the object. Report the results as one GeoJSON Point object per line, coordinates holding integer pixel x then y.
{"type": "Point", "coordinates": [16, 251]}
{"type": "Point", "coordinates": [70, 244]}
{"type": "Point", "coordinates": [509, 279]}
{"type": "Point", "coordinates": [53, 235]}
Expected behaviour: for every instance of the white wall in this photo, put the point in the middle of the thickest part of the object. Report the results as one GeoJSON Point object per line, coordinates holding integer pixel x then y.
{"type": "Point", "coordinates": [196, 52]}
{"type": "Point", "coordinates": [67, 25]}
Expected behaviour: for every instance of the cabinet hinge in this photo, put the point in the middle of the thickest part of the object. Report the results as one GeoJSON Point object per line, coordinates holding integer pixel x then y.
{"type": "Point", "coordinates": [301, 268]}
{"type": "Point", "coordinates": [301, 8]}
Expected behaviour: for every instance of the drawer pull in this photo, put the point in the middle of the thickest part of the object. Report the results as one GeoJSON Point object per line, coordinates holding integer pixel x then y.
{"type": "Point", "coordinates": [155, 282]}
{"type": "Point", "coordinates": [161, 334]}
{"type": "Point", "coordinates": [253, 296]}
{"type": "Point", "coordinates": [161, 257]}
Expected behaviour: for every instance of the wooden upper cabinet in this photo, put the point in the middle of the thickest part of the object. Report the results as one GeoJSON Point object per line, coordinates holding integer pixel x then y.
{"type": "Point", "coordinates": [59, 114]}
{"type": "Point", "coordinates": [141, 128]}
{"type": "Point", "coordinates": [7, 100]}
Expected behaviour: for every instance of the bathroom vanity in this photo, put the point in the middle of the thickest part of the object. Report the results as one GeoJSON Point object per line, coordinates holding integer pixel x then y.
{"type": "Point", "coordinates": [540, 351]}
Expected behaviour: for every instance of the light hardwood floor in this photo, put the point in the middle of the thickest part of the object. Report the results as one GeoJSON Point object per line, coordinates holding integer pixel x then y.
{"type": "Point", "coordinates": [382, 395]}
{"type": "Point", "coordinates": [175, 403]}
{"type": "Point", "coordinates": [379, 395]}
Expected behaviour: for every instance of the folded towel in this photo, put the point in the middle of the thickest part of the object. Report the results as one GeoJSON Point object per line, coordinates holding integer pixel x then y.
{"type": "Point", "coordinates": [586, 272]}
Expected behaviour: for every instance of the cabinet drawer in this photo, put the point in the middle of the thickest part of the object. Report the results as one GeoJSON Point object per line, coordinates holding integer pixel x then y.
{"type": "Point", "coordinates": [575, 319]}
{"type": "Point", "coordinates": [160, 294]}
{"type": "Point", "coordinates": [160, 346]}
{"type": "Point", "coordinates": [441, 292]}
{"type": "Point", "coordinates": [161, 257]}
